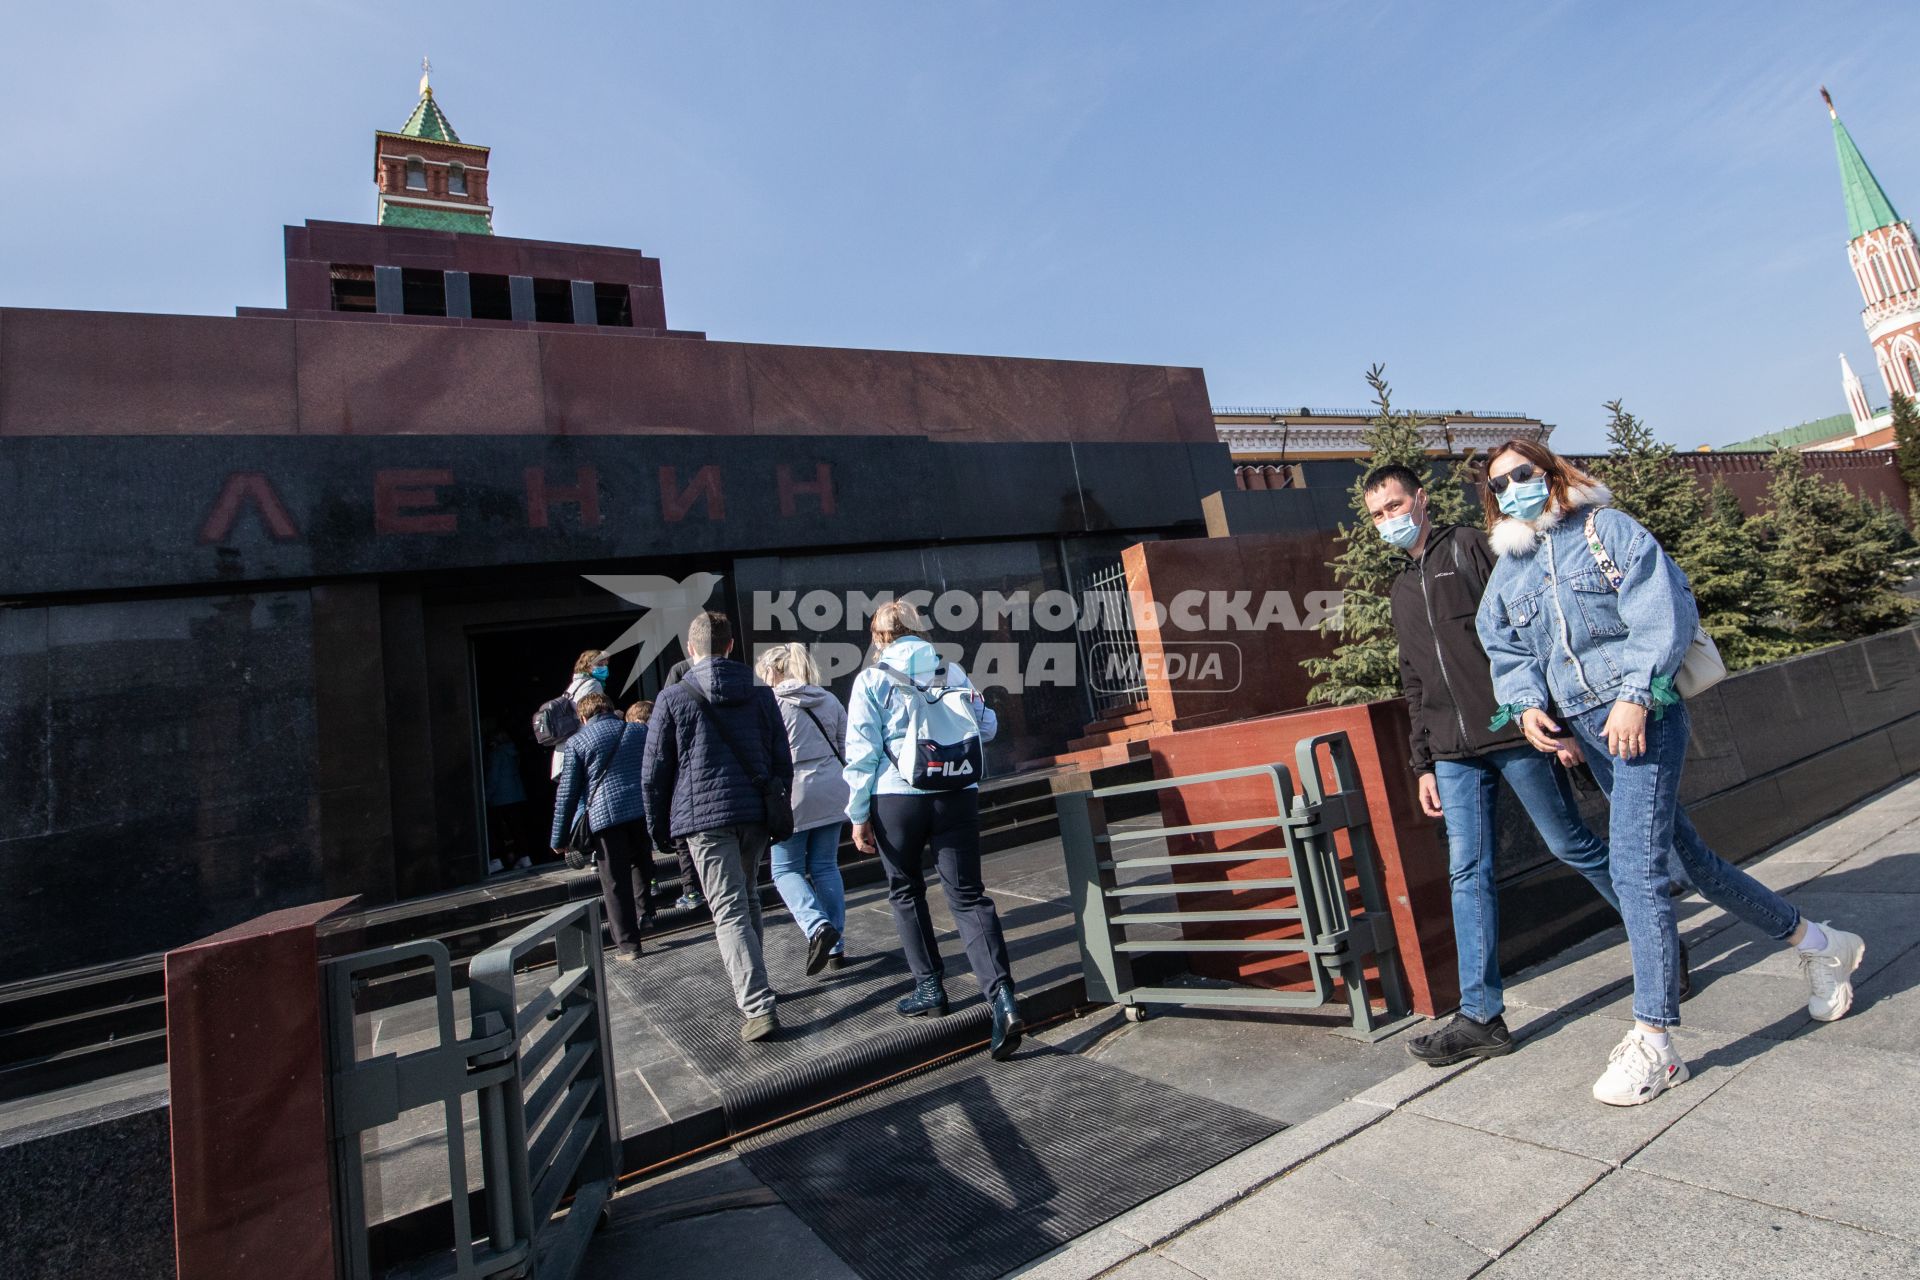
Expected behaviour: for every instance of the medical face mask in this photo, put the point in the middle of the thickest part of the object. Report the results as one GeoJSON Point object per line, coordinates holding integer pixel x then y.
{"type": "Point", "coordinates": [1401, 530]}
{"type": "Point", "coordinates": [599, 673]}
{"type": "Point", "coordinates": [1524, 501]}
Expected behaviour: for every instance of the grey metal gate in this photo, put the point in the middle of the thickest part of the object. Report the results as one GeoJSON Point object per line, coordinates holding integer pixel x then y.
{"type": "Point", "coordinates": [1336, 939]}
{"type": "Point", "coordinates": [536, 1061]}
{"type": "Point", "coordinates": [1110, 646]}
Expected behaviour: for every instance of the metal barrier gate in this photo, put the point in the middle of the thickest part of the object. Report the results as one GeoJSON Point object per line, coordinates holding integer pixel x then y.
{"type": "Point", "coordinates": [1337, 940]}
{"type": "Point", "coordinates": [537, 1063]}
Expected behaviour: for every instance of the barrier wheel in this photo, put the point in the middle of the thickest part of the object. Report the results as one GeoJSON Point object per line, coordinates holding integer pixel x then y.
{"type": "Point", "coordinates": [1134, 1013]}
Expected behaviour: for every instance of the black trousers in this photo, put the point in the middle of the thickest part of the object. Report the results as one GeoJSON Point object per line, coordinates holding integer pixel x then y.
{"type": "Point", "coordinates": [626, 876]}
{"type": "Point", "coordinates": [948, 824]}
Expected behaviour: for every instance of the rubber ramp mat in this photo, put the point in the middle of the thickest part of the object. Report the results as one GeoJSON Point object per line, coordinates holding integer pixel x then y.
{"type": "Point", "coordinates": [837, 1031]}
{"type": "Point", "coordinates": [977, 1167]}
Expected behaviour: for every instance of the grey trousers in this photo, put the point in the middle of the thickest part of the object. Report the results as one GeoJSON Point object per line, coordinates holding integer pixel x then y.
{"type": "Point", "coordinates": [728, 860]}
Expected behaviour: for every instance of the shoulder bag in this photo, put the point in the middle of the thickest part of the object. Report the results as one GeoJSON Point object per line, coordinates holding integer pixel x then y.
{"type": "Point", "coordinates": [1702, 667]}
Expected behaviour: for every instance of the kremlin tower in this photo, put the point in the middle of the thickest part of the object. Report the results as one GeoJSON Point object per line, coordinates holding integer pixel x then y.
{"type": "Point", "coordinates": [1881, 251]}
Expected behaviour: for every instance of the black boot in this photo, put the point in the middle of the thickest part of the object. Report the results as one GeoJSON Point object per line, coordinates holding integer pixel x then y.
{"type": "Point", "coordinates": [1007, 1024]}
{"type": "Point", "coordinates": [1461, 1039]}
{"type": "Point", "coordinates": [820, 946]}
{"type": "Point", "coordinates": [928, 997]}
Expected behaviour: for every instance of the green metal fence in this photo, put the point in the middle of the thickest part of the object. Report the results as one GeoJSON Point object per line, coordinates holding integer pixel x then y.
{"type": "Point", "coordinates": [537, 1065]}
{"type": "Point", "coordinates": [1338, 941]}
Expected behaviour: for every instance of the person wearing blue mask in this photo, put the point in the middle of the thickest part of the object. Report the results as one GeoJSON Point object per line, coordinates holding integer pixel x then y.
{"type": "Point", "coordinates": [1587, 622]}
{"type": "Point", "coordinates": [1458, 759]}
{"type": "Point", "coordinates": [589, 677]}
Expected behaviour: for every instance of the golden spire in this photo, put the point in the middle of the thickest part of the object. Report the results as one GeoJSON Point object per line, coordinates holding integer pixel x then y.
{"type": "Point", "coordinates": [1824, 97]}
{"type": "Point", "coordinates": [426, 73]}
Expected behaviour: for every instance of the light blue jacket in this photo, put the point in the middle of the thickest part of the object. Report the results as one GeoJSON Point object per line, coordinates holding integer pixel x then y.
{"type": "Point", "coordinates": [1557, 633]}
{"type": "Point", "coordinates": [877, 723]}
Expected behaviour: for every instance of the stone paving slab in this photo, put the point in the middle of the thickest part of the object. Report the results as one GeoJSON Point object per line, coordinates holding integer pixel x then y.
{"type": "Point", "coordinates": [1797, 1130]}
{"type": "Point", "coordinates": [1737, 1004]}
{"type": "Point", "coordinates": [1166, 1215]}
{"type": "Point", "coordinates": [1542, 1093]}
{"type": "Point", "coordinates": [1631, 1224]}
{"type": "Point", "coordinates": [1152, 1266]}
{"type": "Point", "coordinates": [1485, 1190]}
{"type": "Point", "coordinates": [1313, 1224]}
{"type": "Point", "coordinates": [1886, 1012]}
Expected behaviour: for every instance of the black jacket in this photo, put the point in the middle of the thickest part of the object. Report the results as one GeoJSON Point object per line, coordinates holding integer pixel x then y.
{"type": "Point", "coordinates": [1442, 666]}
{"type": "Point", "coordinates": [693, 777]}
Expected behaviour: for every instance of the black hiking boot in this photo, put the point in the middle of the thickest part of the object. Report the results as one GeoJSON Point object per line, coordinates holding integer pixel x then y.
{"type": "Point", "coordinates": [820, 946]}
{"type": "Point", "coordinates": [928, 997]}
{"type": "Point", "coordinates": [1461, 1039]}
{"type": "Point", "coordinates": [1008, 1026]}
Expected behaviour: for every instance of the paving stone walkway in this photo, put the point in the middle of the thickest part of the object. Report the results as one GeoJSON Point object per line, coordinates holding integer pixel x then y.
{"type": "Point", "coordinates": [1794, 1150]}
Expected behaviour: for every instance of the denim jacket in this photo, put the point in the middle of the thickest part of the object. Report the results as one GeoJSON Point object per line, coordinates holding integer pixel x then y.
{"type": "Point", "coordinates": [1558, 634]}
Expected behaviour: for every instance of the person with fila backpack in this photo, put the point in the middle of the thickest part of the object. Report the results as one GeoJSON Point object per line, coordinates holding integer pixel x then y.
{"type": "Point", "coordinates": [916, 734]}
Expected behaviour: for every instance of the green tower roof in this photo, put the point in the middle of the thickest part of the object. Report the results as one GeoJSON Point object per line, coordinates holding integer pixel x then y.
{"type": "Point", "coordinates": [430, 122]}
{"type": "Point", "coordinates": [1867, 205]}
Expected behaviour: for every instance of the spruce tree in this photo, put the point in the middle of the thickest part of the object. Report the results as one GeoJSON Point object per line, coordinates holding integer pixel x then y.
{"type": "Point", "coordinates": [1646, 483]}
{"type": "Point", "coordinates": [1731, 586]}
{"type": "Point", "coordinates": [1829, 558]}
{"type": "Point", "coordinates": [1366, 665]}
{"type": "Point", "coordinates": [1906, 439]}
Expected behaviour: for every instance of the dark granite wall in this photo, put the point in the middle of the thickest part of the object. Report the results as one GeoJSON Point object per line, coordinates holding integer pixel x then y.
{"type": "Point", "coordinates": [157, 759]}
{"type": "Point", "coordinates": [89, 1194]}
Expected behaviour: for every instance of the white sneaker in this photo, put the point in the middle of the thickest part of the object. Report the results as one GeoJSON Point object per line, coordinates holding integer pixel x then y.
{"type": "Point", "coordinates": [522, 862]}
{"type": "Point", "coordinates": [493, 867]}
{"type": "Point", "coordinates": [1637, 1072]}
{"type": "Point", "coordinates": [1830, 973]}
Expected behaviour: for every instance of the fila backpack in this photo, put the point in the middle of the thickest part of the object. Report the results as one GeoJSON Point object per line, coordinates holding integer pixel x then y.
{"type": "Point", "coordinates": [941, 750]}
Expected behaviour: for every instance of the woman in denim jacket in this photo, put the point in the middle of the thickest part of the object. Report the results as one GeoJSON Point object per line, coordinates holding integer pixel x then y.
{"type": "Point", "coordinates": [1560, 635]}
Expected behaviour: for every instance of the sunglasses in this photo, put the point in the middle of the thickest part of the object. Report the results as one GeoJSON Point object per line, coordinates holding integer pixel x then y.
{"type": "Point", "coordinates": [1519, 475]}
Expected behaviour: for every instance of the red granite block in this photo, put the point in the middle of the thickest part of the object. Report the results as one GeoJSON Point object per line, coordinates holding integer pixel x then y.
{"type": "Point", "coordinates": [247, 1078]}
{"type": "Point", "coordinates": [361, 378]}
{"type": "Point", "coordinates": [611, 381]}
{"type": "Point", "coordinates": [106, 373]}
{"type": "Point", "coordinates": [831, 391]}
{"type": "Point", "coordinates": [1192, 408]}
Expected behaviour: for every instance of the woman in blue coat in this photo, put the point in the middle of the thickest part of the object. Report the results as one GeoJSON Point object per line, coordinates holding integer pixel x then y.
{"type": "Point", "coordinates": [601, 769]}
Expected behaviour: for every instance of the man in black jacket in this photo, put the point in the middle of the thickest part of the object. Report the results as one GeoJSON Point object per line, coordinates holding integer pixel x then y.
{"type": "Point", "coordinates": [714, 742]}
{"type": "Point", "coordinates": [1459, 759]}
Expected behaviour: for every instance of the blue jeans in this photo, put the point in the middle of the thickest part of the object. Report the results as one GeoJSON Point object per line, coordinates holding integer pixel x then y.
{"type": "Point", "coordinates": [1467, 789]}
{"type": "Point", "coordinates": [1647, 821]}
{"type": "Point", "coordinates": [806, 871]}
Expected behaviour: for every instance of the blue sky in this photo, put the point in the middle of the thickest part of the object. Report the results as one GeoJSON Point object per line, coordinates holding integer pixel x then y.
{"type": "Point", "coordinates": [1531, 206]}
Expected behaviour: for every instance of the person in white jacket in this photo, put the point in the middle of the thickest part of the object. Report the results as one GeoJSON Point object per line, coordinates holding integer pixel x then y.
{"type": "Point", "coordinates": [806, 865]}
{"type": "Point", "coordinates": [900, 822]}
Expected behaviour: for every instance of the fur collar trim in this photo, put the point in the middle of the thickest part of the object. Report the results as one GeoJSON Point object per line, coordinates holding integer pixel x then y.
{"type": "Point", "coordinates": [1511, 537]}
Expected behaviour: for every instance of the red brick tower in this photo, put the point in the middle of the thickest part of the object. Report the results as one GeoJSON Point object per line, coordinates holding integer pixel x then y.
{"type": "Point", "coordinates": [427, 177]}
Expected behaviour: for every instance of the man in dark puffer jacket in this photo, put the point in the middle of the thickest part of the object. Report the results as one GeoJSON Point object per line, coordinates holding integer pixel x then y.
{"type": "Point", "coordinates": [711, 741]}
{"type": "Point", "coordinates": [600, 768]}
